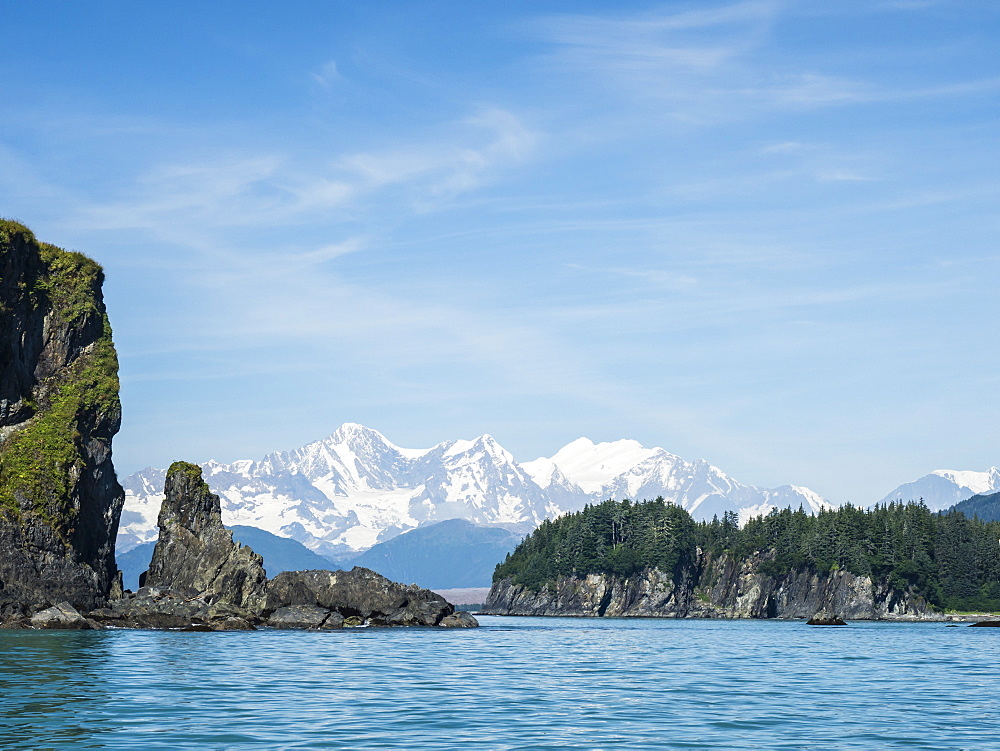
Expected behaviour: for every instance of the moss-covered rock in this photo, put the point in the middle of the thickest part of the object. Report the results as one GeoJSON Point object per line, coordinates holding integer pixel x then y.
{"type": "Point", "coordinates": [59, 409]}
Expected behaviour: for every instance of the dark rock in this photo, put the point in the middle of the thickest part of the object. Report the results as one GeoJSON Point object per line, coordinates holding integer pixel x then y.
{"type": "Point", "coordinates": [196, 554]}
{"type": "Point", "coordinates": [305, 616]}
{"type": "Point", "coordinates": [826, 618]}
{"type": "Point", "coordinates": [160, 608]}
{"type": "Point", "coordinates": [232, 623]}
{"type": "Point", "coordinates": [461, 619]}
{"type": "Point", "coordinates": [359, 595]}
{"type": "Point", "coordinates": [995, 624]}
{"type": "Point", "coordinates": [59, 409]}
{"type": "Point", "coordinates": [63, 616]}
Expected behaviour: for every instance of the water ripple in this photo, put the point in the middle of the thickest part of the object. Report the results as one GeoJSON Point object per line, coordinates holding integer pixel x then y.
{"type": "Point", "coordinates": [519, 683]}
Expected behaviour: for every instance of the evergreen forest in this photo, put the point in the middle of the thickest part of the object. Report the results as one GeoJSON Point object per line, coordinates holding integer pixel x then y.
{"type": "Point", "coordinates": [986, 507]}
{"type": "Point", "coordinates": [951, 560]}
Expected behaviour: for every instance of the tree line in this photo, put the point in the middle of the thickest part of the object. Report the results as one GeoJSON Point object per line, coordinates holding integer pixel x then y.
{"type": "Point", "coordinates": [952, 560]}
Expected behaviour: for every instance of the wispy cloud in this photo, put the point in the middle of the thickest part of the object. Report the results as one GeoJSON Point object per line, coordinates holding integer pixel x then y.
{"type": "Point", "coordinates": [184, 201]}
{"type": "Point", "coordinates": [713, 65]}
{"type": "Point", "coordinates": [328, 75]}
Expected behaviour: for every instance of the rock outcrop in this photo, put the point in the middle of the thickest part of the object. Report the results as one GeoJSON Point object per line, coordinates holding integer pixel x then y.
{"type": "Point", "coordinates": [160, 608]}
{"type": "Point", "coordinates": [61, 616]}
{"type": "Point", "coordinates": [826, 618]}
{"type": "Point", "coordinates": [195, 554]}
{"type": "Point", "coordinates": [200, 579]}
{"type": "Point", "coordinates": [714, 588]}
{"type": "Point", "coordinates": [359, 597]}
{"type": "Point", "coordinates": [59, 409]}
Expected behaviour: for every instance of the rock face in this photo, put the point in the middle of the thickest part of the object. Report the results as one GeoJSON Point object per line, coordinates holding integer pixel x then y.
{"type": "Point", "coordinates": [359, 596]}
{"type": "Point", "coordinates": [59, 497]}
{"type": "Point", "coordinates": [715, 588]}
{"type": "Point", "coordinates": [195, 553]}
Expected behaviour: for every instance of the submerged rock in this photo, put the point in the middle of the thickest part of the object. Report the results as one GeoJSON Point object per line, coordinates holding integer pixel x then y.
{"type": "Point", "coordinates": [360, 596]}
{"type": "Point", "coordinates": [59, 409]}
{"type": "Point", "coordinates": [195, 553]}
{"type": "Point", "coordinates": [826, 618]}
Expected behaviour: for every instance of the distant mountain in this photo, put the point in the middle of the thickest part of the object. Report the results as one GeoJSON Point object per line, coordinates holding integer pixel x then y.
{"type": "Point", "coordinates": [986, 507]}
{"type": "Point", "coordinates": [348, 492]}
{"type": "Point", "coordinates": [446, 555]}
{"type": "Point", "coordinates": [626, 469]}
{"type": "Point", "coordinates": [133, 562]}
{"type": "Point", "coordinates": [943, 488]}
{"type": "Point", "coordinates": [279, 554]}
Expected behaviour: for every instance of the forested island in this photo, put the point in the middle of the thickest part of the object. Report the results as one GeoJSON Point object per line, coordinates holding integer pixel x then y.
{"type": "Point", "coordinates": [652, 558]}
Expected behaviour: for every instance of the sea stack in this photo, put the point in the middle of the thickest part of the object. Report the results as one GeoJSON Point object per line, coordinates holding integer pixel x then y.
{"type": "Point", "coordinates": [59, 409]}
{"type": "Point", "coordinates": [195, 553]}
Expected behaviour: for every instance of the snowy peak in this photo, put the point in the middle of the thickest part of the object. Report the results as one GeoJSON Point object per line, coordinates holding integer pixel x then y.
{"type": "Point", "coordinates": [627, 469]}
{"type": "Point", "coordinates": [976, 482]}
{"type": "Point", "coordinates": [484, 445]}
{"type": "Point", "coordinates": [591, 466]}
{"type": "Point", "coordinates": [354, 458]}
{"type": "Point", "coordinates": [943, 488]}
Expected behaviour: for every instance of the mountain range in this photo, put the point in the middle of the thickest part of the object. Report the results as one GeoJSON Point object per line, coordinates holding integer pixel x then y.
{"type": "Point", "coordinates": [343, 494]}
{"type": "Point", "coordinates": [445, 555]}
{"type": "Point", "coordinates": [346, 493]}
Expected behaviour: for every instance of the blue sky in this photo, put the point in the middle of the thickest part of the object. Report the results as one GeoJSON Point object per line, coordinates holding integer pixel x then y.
{"type": "Point", "coordinates": [760, 233]}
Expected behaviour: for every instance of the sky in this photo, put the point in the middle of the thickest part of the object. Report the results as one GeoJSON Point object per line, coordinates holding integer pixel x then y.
{"type": "Point", "coordinates": [761, 233]}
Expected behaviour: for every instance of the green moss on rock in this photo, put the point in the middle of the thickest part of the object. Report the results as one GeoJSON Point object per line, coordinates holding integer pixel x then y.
{"type": "Point", "coordinates": [187, 468]}
{"type": "Point", "coordinates": [42, 460]}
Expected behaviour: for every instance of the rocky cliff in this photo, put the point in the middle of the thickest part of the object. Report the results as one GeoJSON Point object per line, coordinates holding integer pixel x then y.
{"type": "Point", "coordinates": [195, 553]}
{"type": "Point", "coordinates": [59, 409]}
{"type": "Point", "coordinates": [716, 587]}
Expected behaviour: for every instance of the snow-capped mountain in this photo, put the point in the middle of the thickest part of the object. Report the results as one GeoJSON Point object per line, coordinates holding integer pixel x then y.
{"type": "Point", "coordinates": [354, 489]}
{"type": "Point", "coordinates": [349, 491]}
{"type": "Point", "coordinates": [943, 488]}
{"type": "Point", "coordinates": [626, 469]}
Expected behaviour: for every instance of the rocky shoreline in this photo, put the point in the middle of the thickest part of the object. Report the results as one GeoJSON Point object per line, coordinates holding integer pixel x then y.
{"type": "Point", "coordinates": [715, 587]}
{"type": "Point", "coordinates": [60, 500]}
{"type": "Point", "coordinates": [201, 580]}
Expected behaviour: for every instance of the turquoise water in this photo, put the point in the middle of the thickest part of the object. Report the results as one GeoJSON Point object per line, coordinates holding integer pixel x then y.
{"type": "Point", "coordinates": [516, 683]}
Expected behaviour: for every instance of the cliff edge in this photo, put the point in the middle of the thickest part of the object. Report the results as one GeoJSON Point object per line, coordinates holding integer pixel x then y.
{"type": "Point", "coordinates": [718, 587]}
{"type": "Point", "coordinates": [59, 409]}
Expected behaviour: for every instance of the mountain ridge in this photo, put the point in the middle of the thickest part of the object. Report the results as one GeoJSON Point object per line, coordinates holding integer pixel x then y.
{"type": "Point", "coordinates": [353, 489]}
{"type": "Point", "coordinates": [943, 488]}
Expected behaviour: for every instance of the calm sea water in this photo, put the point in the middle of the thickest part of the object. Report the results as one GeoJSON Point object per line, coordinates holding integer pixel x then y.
{"type": "Point", "coordinates": [516, 683]}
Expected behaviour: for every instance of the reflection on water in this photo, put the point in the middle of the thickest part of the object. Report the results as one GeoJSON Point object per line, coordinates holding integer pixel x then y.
{"type": "Point", "coordinates": [515, 683]}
